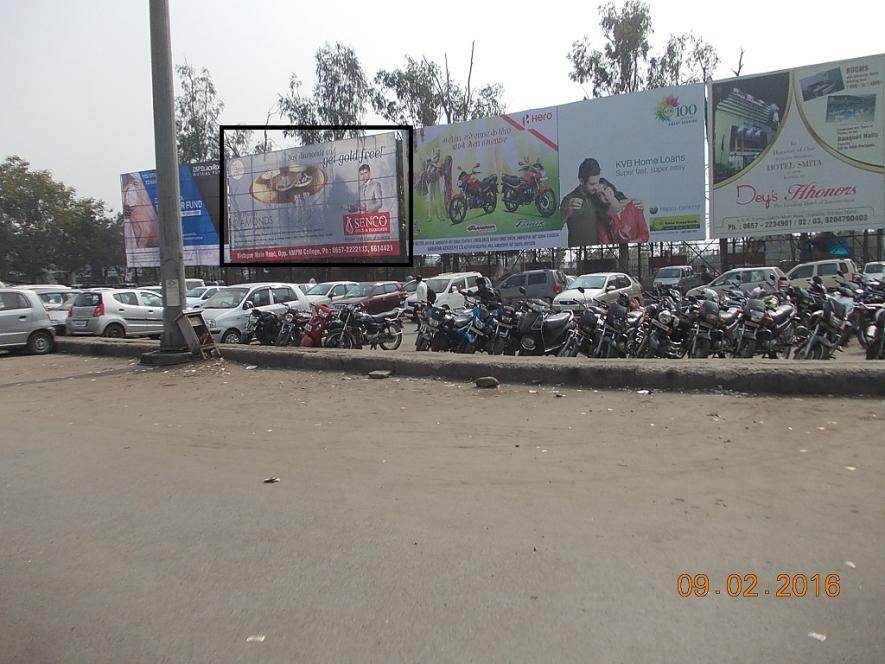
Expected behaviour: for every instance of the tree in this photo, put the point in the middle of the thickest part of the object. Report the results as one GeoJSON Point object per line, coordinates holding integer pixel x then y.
{"type": "Point", "coordinates": [197, 110]}
{"type": "Point", "coordinates": [237, 142]}
{"type": "Point", "coordinates": [340, 96]}
{"type": "Point", "coordinates": [624, 64]}
{"type": "Point", "coordinates": [422, 93]}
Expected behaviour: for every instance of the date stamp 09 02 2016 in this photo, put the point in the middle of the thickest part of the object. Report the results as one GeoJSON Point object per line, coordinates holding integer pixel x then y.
{"type": "Point", "coordinates": [745, 585]}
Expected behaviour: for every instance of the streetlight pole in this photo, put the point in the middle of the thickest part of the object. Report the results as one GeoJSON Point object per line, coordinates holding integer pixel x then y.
{"type": "Point", "coordinates": [168, 194]}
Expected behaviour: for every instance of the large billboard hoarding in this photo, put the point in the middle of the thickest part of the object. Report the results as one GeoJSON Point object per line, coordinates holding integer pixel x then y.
{"type": "Point", "coordinates": [198, 184]}
{"type": "Point", "coordinates": [488, 185]}
{"type": "Point", "coordinates": [632, 167]}
{"type": "Point", "coordinates": [331, 201]}
{"type": "Point", "coordinates": [799, 150]}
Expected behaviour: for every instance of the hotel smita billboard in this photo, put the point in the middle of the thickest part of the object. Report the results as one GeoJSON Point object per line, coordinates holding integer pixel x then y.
{"type": "Point", "coordinates": [333, 201]}
{"type": "Point", "coordinates": [799, 150]}
{"type": "Point", "coordinates": [198, 184]}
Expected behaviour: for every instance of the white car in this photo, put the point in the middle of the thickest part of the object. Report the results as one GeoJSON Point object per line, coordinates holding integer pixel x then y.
{"type": "Point", "coordinates": [328, 291]}
{"type": "Point", "coordinates": [197, 296]}
{"type": "Point", "coordinates": [874, 271]}
{"type": "Point", "coordinates": [603, 286]}
{"type": "Point", "coordinates": [447, 288]}
{"type": "Point", "coordinates": [227, 312]}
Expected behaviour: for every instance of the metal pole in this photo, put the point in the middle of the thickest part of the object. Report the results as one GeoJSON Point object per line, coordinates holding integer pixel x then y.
{"type": "Point", "coordinates": [168, 194]}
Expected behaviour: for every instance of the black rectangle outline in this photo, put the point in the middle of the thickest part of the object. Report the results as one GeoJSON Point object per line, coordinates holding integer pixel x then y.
{"type": "Point", "coordinates": [223, 193]}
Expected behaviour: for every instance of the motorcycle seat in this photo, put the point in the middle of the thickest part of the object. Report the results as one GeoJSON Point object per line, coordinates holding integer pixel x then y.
{"type": "Point", "coordinates": [557, 321]}
{"type": "Point", "coordinates": [728, 317]}
{"type": "Point", "coordinates": [511, 179]}
{"type": "Point", "coordinates": [385, 316]}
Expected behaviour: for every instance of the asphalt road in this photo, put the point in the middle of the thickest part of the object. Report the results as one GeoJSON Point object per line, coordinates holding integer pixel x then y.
{"type": "Point", "coordinates": [425, 521]}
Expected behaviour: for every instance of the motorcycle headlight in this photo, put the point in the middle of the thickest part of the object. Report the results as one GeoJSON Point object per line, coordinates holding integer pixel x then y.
{"type": "Point", "coordinates": [756, 315]}
{"type": "Point", "coordinates": [871, 331]}
{"type": "Point", "coordinates": [665, 317]}
{"type": "Point", "coordinates": [289, 318]}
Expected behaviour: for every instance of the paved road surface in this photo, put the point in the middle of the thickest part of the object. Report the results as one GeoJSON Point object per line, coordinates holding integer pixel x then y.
{"type": "Point", "coordinates": [423, 521]}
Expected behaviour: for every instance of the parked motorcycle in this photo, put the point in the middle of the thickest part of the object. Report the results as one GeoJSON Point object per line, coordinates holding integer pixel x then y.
{"type": "Point", "coordinates": [291, 329]}
{"type": "Point", "coordinates": [875, 334]}
{"type": "Point", "coordinates": [539, 331]}
{"type": "Point", "coordinates": [766, 326]}
{"type": "Point", "coordinates": [263, 326]}
{"type": "Point", "coordinates": [355, 328]}
{"type": "Point", "coordinates": [315, 327]}
{"type": "Point", "coordinates": [529, 187]}
{"type": "Point", "coordinates": [475, 193]}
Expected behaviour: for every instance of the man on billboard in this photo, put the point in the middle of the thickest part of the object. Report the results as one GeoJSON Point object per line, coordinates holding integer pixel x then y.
{"type": "Point", "coordinates": [578, 210]}
{"type": "Point", "coordinates": [370, 191]}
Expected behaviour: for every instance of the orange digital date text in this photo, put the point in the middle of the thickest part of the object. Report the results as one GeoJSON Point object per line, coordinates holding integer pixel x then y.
{"type": "Point", "coordinates": [747, 585]}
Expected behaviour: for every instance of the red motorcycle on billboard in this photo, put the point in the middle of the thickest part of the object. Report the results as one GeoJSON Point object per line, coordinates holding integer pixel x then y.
{"type": "Point", "coordinates": [529, 187]}
{"type": "Point", "coordinates": [475, 193]}
{"type": "Point", "coordinates": [315, 328]}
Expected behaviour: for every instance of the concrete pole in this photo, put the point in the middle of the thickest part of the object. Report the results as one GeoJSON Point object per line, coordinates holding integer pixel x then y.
{"type": "Point", "coordinates": [171, 250]}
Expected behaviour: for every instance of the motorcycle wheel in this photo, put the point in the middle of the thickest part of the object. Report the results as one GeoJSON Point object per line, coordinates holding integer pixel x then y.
{"type": "Point", "coordinates": [397, 340]}
{"type": "Point", "coordinates": [421, 344]}
{"type": "Point", "coordinates": [875, 350]}
{"type": "Point", "coordinates": [457, 210]}
{"type": "Point", "coordinates": [343, 339]}
{"type": "Point", "coordinates": [701, 349]}
{"type": "Point", "coordinates": [510, 203]}
{"type": "Point", "coordinates": [862, 336]}
{"type": "Point", "coordinates": [746, 349]}
{"type": "Point", "coordinates": [546, 203]}
{"type": "Point", "coordinates": [491, 202]}
{"type": "Point", "coordinates": [569, 349]}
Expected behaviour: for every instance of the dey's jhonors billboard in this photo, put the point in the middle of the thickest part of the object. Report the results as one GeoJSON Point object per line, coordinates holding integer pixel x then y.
{"type": "Point", "coordinates": [800, 150]}
{"type": "Point", "coordinates": [198, 184]}
{"type": "Point", "coordinates": [334, 201]}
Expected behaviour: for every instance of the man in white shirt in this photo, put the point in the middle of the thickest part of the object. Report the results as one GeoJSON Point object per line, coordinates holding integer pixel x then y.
{"type": "Point", "coordinates": [420, 291]}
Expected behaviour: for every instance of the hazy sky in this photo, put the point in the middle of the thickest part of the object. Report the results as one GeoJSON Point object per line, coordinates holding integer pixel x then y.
{"type": "Point", "coordinates": [76, 74]}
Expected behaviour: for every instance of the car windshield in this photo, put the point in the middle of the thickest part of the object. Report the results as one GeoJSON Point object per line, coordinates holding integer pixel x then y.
{"type": "Point", "coordinates": [360, 290]}
{"type": "Point", "coordinates": [592, 281]}
{"type": "Point", "coordinates": [669, 273]}
{"type": "Point", "coordinates": [725, 278]}
{"type": "Point", "coordinates": [226, 298]}
{"type": "Point", "coordinates": [196, 292]}
{"type": "Point", "coordinates": [874, 268]}
{"type": "Point", "coordinates": [411, 287]}
{"type": "Point", "coordinates": [438, 285]}
{"type": "Point", "coordinates": [319, 289]}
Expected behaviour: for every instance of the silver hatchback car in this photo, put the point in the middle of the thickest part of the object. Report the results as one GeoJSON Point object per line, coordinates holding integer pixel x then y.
{"type": "Point", "coordinates": [123, 312]}
{"type": "Point", "coordinates": [24, 322]}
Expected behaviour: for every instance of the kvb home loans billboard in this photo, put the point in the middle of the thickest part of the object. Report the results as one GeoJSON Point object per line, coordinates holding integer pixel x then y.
{"type": "Point", "coordinates": [799, 150]}
{"type": "Point", "coordinates": [333, 201]}
{"type": "Point", "coordinates": [632, 167]}
{"type": "Point", "coordinates": [488, 185]}
{"type": "Point", "coordinates": [199, 215]}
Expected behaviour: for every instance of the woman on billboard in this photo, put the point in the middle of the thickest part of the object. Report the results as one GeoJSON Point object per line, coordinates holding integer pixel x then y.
{"type": "Point", "coordinates": [621, 218]}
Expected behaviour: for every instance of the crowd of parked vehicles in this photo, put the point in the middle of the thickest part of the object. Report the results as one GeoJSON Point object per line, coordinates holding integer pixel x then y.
{"type": "Point", "coordinates": [812, 312]}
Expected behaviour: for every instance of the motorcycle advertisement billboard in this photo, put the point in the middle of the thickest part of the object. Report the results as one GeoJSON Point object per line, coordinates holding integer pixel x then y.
{"type": "Point", "coordinates": [333, 201]}
{"type": "Point", "coordinates": [198, 184]}
{"type": "Point", "coordinates": [632, 167]}
{"type": "Point", "coordinates": [799, 150]}
{"type": "Point", "coordinates": [490, 184]}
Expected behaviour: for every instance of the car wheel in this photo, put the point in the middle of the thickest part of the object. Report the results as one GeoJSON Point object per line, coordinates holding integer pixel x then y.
{"type": "Point", "coordinates": [232, 336]}
{"type": "Point", "coordinates": [114, 331]}
{"type": "Point", "coordinates": [40, 343]}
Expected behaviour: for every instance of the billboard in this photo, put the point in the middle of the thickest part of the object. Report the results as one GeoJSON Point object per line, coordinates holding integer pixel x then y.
{"type": "Point", "coordinates": [800, 150]}
{"type": "Point", "coordinates": [488, 185]}
{"type": "Point", "coordinates": [199, 215]}
{"type": "Point", "coordinates": [632, 167]}
{"type": "Point", "coordinates": [332, 201]}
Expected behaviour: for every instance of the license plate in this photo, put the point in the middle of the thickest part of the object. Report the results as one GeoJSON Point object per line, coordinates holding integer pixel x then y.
{"type": "Point", "coordinates": [308, 327]}
{"type": "Point", "coordinates": [433, 323]}
{"type": "Point", "coordinates": [79, 323]}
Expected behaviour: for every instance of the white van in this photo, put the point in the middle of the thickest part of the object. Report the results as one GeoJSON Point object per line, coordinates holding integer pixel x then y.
{"type": "Point", "coordinates": [446, 287]}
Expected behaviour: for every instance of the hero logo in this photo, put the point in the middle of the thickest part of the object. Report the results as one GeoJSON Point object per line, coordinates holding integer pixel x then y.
{"type": "Point", "coordinates": [530, 118]}
{"type": "Point", "coordinates": [367, 223]}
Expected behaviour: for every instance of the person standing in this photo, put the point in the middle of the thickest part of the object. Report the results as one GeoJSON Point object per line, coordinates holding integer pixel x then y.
{"type": "Point", "coordinates": [420, 291]}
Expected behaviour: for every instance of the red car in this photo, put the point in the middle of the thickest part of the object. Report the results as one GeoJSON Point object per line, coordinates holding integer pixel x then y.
{"type": "Point", "coordinates": [377, 297]}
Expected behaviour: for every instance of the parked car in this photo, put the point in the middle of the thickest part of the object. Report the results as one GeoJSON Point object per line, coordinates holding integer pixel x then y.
{"type": "Point", "coordinates": [124, 312]}
{"type": "Point", "coordinates": [602, 286]}
{"type": "Point", "coordinates": [538, 284]}
{"type": "Point", "coordinates": [24, 322]}
{"type": "Point", "coordinates": [329, 291]}
{"type": "Point", "coordinates": [874, 271]}
{"type": "Point", "coordinates": [447, 287]}
{"type": "Point", "coordinates": [682, 277]}
{"type": "Point", "coordinates": [153, 289]}
{"type": "Point", "coordinates": [828, 270]}
{"type": "Point", "coordinates": [227, 312]}
{"type": "Point", "coordinates": [57, 299]}
{"type": "Point", "coordinates": [197, 296]}
{"type": "Point", "coordinates": [377, 297]}
{"type": "Point", "coordinates": [745, 279]}
{"type": "Point", "coordinates": [193, 283]}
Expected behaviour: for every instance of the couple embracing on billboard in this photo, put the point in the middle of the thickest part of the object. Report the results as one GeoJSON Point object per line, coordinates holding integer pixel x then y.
{"type": "Point", "coordinates": [596, 212]}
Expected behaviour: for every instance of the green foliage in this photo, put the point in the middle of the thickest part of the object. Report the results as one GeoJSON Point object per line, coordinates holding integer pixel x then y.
{"type": "Point", "coordinates": [197, 110]}
{"type": "Point", "coordinates": [623, 63]}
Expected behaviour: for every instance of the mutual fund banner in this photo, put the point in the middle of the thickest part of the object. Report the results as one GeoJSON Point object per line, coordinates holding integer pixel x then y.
{"type": "Point", "coordinates": [488, 185]}
{"type": "Point", "coordinates": [632, 167]}
{"type": "Point", "coordinates": [333, 201]}
{"type": "Point", "coordinates": [799, 150]}
{"type": "Point", "coordinates": [198, 184]}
